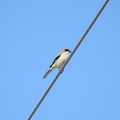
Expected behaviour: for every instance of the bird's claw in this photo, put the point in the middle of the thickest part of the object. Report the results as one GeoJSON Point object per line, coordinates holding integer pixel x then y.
{"type": "Point", "coordinates": [61, 71]}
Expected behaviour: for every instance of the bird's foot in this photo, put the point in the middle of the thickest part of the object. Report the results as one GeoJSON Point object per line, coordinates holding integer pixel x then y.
{"type": "Point", "coordinates": [61, 71]}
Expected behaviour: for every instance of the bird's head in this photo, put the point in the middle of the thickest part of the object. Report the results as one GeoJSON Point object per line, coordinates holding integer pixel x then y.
{"type": "Point", "coordinates": [65, 50]}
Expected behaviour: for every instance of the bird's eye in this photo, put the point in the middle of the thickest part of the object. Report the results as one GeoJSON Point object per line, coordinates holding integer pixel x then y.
{"type": "Point", "coordinates": [68, 50]}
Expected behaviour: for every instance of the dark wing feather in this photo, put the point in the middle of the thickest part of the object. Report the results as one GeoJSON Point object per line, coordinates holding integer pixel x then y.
{"type": "Point", "coordinates": [55, 60]}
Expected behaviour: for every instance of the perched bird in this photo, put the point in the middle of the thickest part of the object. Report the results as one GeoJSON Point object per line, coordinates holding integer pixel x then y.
{"type": "Point", "coordinates": [59, 61]}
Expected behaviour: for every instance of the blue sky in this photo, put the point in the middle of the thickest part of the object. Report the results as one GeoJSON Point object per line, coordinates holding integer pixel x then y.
{"type": "Point", "coordinates": [31, 35]}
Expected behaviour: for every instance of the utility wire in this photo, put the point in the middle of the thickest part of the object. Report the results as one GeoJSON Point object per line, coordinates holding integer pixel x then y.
{"type": "Point", "coordinates": [69, 58]}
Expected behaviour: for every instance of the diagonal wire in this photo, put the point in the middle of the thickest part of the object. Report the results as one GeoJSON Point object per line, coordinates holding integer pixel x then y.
{"type": "Point", "coordinates": [104, 5]}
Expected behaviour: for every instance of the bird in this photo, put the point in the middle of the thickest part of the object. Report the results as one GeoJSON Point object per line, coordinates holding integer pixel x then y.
{"type": "Point", "coordinates": [59, 61]}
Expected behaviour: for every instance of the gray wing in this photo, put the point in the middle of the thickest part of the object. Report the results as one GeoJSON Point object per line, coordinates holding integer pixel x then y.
{"type": "Point", "coordinates": [46, 74]}
{"type": "Point", "coordinates": [55, 60]}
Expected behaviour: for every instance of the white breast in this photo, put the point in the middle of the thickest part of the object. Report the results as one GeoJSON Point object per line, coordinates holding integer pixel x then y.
{"type": "Point", "coordinates": [61, 61]}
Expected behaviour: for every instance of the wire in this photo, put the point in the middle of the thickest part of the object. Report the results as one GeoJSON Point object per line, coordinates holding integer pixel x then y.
{"type": "Point", "coordinates": [69, 58]}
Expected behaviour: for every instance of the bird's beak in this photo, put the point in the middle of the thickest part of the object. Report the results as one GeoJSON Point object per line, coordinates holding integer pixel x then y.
{"type": "Point", "coordinates": [69, 51]}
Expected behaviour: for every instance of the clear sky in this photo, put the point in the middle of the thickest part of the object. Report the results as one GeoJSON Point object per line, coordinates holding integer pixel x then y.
{"type": "Point", "coordinates": [32, 32]}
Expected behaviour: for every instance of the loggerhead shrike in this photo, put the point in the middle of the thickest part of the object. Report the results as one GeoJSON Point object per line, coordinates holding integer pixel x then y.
{"type": "Point", "coordinates": [59, 61]}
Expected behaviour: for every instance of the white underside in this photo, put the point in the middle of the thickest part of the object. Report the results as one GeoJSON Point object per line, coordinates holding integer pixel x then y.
{"type": "Point", "coordinates": [60, 61]}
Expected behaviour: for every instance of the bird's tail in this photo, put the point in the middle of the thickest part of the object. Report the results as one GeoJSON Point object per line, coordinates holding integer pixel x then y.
{"type": "Point", "coordinates": [46, 73]}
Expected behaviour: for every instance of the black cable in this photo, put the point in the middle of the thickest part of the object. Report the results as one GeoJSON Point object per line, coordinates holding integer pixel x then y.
{"type": "Point", "coordinates": [69, 59]}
